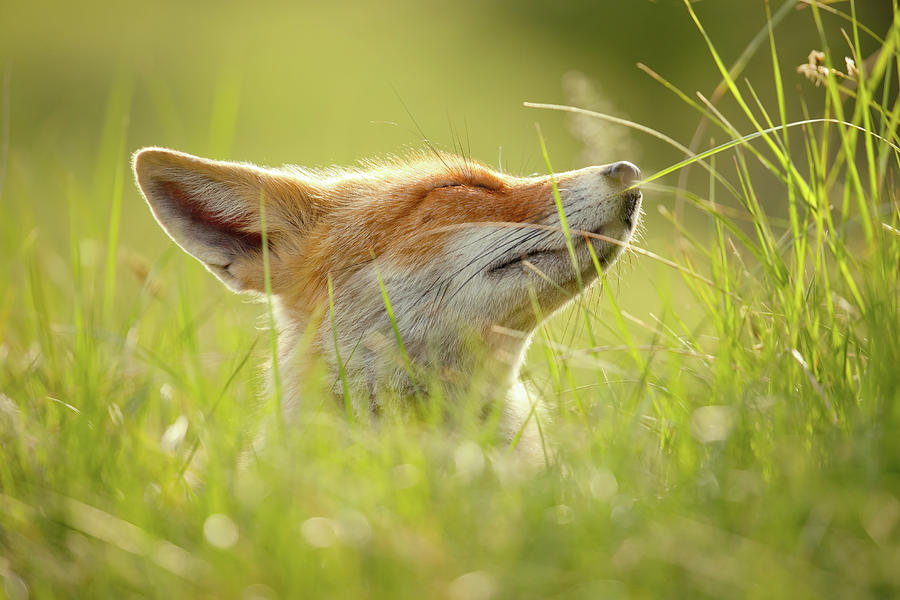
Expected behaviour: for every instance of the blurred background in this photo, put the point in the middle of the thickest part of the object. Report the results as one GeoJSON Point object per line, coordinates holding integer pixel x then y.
{"type": "Point", "coordinates": [321, 83]}
{"type": "Point", "coordinates": [128, 373]}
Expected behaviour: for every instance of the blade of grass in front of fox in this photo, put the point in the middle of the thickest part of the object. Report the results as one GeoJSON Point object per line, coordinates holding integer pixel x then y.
{"type": "Point", "coordinates": [602, 374]}
{"type": "Point", "coordinates": [149, 286]}
{"type": "Point", "coordinates": [531, 231]}
{"type": "Point", "coordinates": [825, 224]}
{"type": "Point", "coordinates": [560, 210]}
{"type": "Point", "coordinates": [694, 157]}
{"type": "Point", "coordinates": [523, 237]}
{"type": "Point", "coordinates": [270, 310]}
{"type": "Point", "coordinates": [85, 341]}
{"type": "Point", "coordinates": [866, 86]}
{"type": "Point", "coordinates": [719, 260]}
{"type": "Point", "coordinates": [600, 236]}
{"type": "Point", "coordinates": [721, 212]}
{"type": "Point", "coordinates": [698, 158]}
{"type": "Point", "coordinates": [533, 414]}
{"type": "Point", "coordinates": [734, 134]}
{"type": "Point", "coordinates": [342, 372]}
{"type": "Point", "coordinates": [390, 312]}
{"type": "Point", "coordinates": [752, 136]}
{"type": "Point", "coordinates": [785, 161]}
{"type": "Point", "coordinates": [736, 68]}
{"type": "Point", "coordinates": [115, 217]}
{"type": "Point", "coordinates": [568, 236]}
{"type": "Point", "coordinates": [636, 126]}
{"type": "Point", "coordinates": [720, 221]}
{"type": "Point", "coordinates": [515, 241]}
{"type": "Point", "coordinates": [112, 152]}
{"type": "Point", "coordinates": [572, 295]}
{"type": "Point", "coordinates": [848, 139]}
{"type": "Point", "coordinates": [207, 417]}
{"type": "Point", "coordinates": [440, 289]}
{"type": "Point", "coordinates": [347, 361]}
{"type": "Point", "coordinates": [890, 120]}
{"type": "Point", "coordinates": [601, 274]}
{"type": "Point", "coordinates": [569, 351]}
{"type": "Point", "coordinates": [536, 215]}
{"type": "Point", "coordinates": [556, 369]}
{"type": "Point", "coordinates": [444, 286]}
{"type": "Point", "coordinates": [485, 253]}
{"type": "Point", "coordinates": [841, 14]}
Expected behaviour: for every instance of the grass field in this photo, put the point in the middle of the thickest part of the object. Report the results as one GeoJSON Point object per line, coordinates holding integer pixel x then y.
{"type": "Point", "coordinates": [741, 438]}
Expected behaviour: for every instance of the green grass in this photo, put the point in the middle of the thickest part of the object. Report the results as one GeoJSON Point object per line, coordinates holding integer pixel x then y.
{"type": "Point", "coordinates": [744, 442]}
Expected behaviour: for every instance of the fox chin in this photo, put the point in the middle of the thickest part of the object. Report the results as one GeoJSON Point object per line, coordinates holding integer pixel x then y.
{"type": "Point", "coordinates": [470, 260]}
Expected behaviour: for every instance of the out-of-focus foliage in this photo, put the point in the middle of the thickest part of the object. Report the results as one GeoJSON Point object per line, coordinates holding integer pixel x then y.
{"type": "Point", "coordinates": [728, 428]}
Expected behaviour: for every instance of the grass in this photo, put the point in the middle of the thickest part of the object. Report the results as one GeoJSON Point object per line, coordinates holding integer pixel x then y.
{"type": "Point", "coordinates": [742, 444]}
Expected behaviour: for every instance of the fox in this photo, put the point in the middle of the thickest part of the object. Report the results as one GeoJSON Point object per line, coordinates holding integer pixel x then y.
{"type": "Point", "coordinates": [400, 267]}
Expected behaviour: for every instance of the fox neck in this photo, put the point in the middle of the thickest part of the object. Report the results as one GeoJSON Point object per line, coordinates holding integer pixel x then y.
{"type": "Point", "coordinates": [480, 365]}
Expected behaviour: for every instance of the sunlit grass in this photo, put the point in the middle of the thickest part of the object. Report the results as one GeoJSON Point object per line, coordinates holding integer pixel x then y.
{"type": "Point", "coordinates": [743, 445]}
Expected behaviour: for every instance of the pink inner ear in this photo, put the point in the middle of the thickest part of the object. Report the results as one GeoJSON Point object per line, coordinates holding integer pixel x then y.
{"type": "Point", "coordinates": [211, 223]}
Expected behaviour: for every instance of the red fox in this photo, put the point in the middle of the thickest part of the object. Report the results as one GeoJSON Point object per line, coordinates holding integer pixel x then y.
{"type": "Point", "coordinates": [459, 251]}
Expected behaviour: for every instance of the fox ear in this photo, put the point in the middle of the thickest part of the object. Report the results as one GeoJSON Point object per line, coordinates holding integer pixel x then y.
{"type": "Point", "coordinates": [212, 210]}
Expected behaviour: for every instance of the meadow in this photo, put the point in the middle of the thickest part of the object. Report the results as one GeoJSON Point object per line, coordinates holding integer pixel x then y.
{"type": "Point", "coordinates": [722, 414]}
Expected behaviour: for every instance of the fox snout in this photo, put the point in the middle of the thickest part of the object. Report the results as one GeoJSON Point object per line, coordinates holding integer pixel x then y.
{"type": "Point", "coordinates": [603, 199]}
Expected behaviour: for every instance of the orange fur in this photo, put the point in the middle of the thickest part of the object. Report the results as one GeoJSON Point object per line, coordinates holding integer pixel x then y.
{"type": "Point", "coordinates": [421, 202]}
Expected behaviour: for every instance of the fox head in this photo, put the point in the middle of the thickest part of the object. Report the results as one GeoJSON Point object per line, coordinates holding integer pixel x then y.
{"type": "Point", "coordinates": [459, 251]}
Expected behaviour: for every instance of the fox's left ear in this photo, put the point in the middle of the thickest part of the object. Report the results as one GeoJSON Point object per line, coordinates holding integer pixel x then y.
{"type": "Point", "coordinates": [212, 210]}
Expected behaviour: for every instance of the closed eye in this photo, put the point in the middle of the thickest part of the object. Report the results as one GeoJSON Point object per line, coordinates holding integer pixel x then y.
{"type": "Point", "coordinates": [452, 184]}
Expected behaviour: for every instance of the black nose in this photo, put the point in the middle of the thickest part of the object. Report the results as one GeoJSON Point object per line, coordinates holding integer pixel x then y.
{"type": "Point", "coordinates": [623, 171]}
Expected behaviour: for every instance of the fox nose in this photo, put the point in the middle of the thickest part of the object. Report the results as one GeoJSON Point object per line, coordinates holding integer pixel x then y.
{"type": "Point", "coordinates": [623, 171]}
